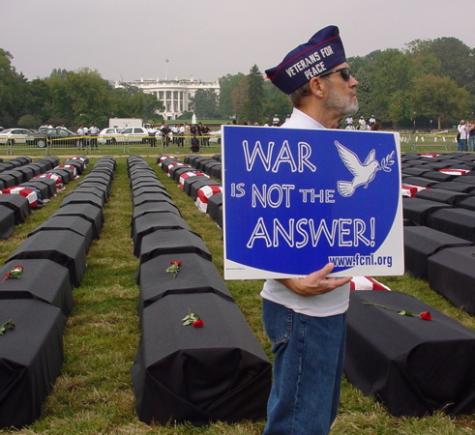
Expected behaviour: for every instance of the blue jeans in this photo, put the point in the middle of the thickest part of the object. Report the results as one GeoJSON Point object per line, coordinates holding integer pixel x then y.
{"type": "Point", "coordinates": [309, 354]}
{"type": "Point", "coordinates": [462, 145]}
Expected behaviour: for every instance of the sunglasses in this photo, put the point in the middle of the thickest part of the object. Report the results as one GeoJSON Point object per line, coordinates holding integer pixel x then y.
{"type": "Point", "coordinates": [345, 73]}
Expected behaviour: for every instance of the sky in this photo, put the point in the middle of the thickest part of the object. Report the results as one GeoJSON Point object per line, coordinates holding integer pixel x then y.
{"type": "Point", "coordinates": [207, 39]}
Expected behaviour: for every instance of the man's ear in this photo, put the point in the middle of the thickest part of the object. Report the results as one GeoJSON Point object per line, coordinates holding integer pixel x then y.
{"type": "Point", "coordinates": [317, 87]}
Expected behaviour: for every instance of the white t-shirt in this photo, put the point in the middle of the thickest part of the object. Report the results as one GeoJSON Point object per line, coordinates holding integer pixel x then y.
{"type": "Point", "coordinates": [327, 304]}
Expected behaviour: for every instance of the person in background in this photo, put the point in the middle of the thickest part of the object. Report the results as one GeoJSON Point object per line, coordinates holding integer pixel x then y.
{"type": "Point", "coordinates": [305, 318]}
{"type": "Point", "coordinates": [462, 136]}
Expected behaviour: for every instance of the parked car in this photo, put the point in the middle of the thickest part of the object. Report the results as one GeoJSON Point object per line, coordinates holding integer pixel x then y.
{"type": "Point", "coordinates": [108, 136]}
{"type": "Point", "coordinates": [135, 134]}
{"type": "Point", "coordinates": [12, 136]}
{"type": "Point", "coordinates": [60, 136]}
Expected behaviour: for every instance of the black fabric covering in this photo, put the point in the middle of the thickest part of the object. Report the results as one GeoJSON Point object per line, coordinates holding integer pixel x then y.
{"type": "Point", "coordinates": [67, 176]}
{"type": "Point", "coordinates": [150, 197]}
{"type": "Point", "coordinates": [176, 171]}
{"type": "Point", "coordinates": [27, 172]}
{"type": "Point", "coordinates": [42, 279]}
{"type": "Point", "coordinates": [197, 275]}
{"type": "Point", "coordinates": [30, 359]}
{"type": "Point", "coordinates": [76, 224]}
{"type": "Point", "coordinates": [7, 222]}
{"type": "Point", "coordinates": [97, 183]}
{"type": "Point", "coordinates": [191, 180]}
{"type": "Point", "coordinates": [7, 180]}
{"type": "Point", "coordinates": [421, 242]}
{"type": "Point", "coordinates": [100, 192]}
{"type": "Point", "coordinates": [465, 180]}
{"type": "Point", "coordinates": [468, 203]}
{"type": "Point", "coordinates": [417, 210]}
{"type": "Point", "coordinates": [83, 198]}
{"type": "Point", "coordinates": [64, 247]}
{"type": "Point", "coordinates": [414, 367]}
{"type": "Point", "coordinates": [218, 372]}
{"type": "Point", "coordinates": [418, 181]}
{"type": "Point", "coordinates": [42, 190]}
{"type": "Point", "coordinates": [18, 204]}
{"type": "Point", "coordinates": [459, 222]}
{"type": "Point", "coordinates": [454, 186]}
{"type": "Point", "coordinates": [452, 274]}
{"type": "Point", "coordinates": [150, 189]}
{"type": "Point", "coordinates": [49, 183]}
{"type": "Point", "coordinates": [438, 176]}
{"type": "Point", "coordinates": [215, 208]}
{"type": "Point", "coordinates": [194, 187]}
{"type": "Point", "coordinates": [17, 175]}
{"type": "Point", "coordinates": [151, 222]}
{"type": "Point", "coordinates": [154, 207]}
{"type": "Point", "coordinates": [440, 195]}
{"type": "Point", "coordinates": [172, 242]}
{"type": "Point", "coordinates": [416, 171]}
{"type": "Point", "coordinates": [87, 211]}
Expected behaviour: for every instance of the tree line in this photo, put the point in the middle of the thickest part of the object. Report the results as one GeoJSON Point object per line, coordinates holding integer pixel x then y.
{"type": "Point", "coordinates": [430, 83]}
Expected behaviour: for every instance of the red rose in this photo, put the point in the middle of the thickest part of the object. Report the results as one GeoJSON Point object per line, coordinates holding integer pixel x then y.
{"type": "Point", "coordinates": [176, 262]}
{"type": "Point", "coordinates": [198, 323]}
{"type": "Point", "coordinates": [425, 315]}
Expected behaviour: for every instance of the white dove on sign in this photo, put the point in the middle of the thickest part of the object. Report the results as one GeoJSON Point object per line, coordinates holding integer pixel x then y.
{"type": "Point", "coordinates": [363, 173]}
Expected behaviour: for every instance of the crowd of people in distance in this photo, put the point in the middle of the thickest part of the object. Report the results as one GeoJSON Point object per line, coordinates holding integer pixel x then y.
{"type": "Point", "coordinates": [371, 124]}
{"type": "Point", "coordinates": [466, 136]}
{"type": "Point", "coordinates": [175, 134]}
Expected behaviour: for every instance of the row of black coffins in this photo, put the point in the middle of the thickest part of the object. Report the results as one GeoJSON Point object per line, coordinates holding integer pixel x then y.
{"type": "Point", "coordinates": [196, 176]}
{"type": "Point", "coordinates": [406, 361]}
{"type": "Point", "coordinates": [198, 360]}
{"type": "Point", "coordinates": [25, 185]}
{"type": "Point", "coordinates": [440, 224]}
{"type": "Point", "coordinates": [36, 296]}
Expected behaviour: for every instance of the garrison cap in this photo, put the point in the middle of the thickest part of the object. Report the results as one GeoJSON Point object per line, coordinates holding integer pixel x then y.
{"type": "Point", "coordinates": [320, 54]}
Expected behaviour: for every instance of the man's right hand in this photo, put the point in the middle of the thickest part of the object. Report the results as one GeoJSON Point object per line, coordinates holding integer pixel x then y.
{"type": "Point", "coordinates": [316, 283]}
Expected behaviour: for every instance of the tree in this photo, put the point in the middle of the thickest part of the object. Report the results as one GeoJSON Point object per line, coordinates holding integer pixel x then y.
{"type": "Point", "coordinates": [439, 97]}
{"type": "Point", "coordinates": [205, 103]}
{"type": "Point", "coordinates": [227, 84]}
{"type": "Point", "coordinates": [255, 96]}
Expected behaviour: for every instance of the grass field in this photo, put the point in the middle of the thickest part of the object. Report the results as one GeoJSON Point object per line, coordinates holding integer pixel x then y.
{"type": "Point", "coordinates": [94, 393]}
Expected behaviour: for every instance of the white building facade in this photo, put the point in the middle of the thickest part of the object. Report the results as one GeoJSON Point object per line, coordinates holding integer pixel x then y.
{"type": "Point", "coordinates": [175, 95]}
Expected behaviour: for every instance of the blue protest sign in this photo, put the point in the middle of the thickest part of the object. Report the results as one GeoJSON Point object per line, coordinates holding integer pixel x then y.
{"type": "Point", "coordinates": [295, 200]}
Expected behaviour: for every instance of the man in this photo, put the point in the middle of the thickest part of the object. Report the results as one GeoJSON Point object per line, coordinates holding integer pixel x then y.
{"type": "Point", "coordinates": [462, 136]}
{"type": "Point", "coordinates": [305, 318]}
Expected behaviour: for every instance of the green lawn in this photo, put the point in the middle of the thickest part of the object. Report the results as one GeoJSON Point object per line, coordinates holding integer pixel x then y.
{"type": "Point", "coordinates": [94, 392]}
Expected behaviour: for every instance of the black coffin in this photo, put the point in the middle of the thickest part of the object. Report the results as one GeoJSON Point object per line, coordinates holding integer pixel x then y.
{"type": "Point", "coordinates": [100, 192]}
{"type": "Point", "coordinates": [40, 188]}
{"type": "Point", "coordinates": [422, 242]}
{"type": "Point", "coordinates": [7, 180]}
{"type": "Point", "coordinates": [154, 207]}
{"type": "Point", "coordinates": [196, 275]}
{"type": "Point", "coordinates": [87, 211]}
{"type": "Point", "coordinates": [417, 210]}
{"type": "Point", "coordinates": [215, 208]}
{"type": "Point", "coordinates": [176, 171]}
{"type": "Point", "coordinates": [27, 172]}
{"type": "Point", "coordinates": [67, 176]}
{"type": "Point", "coordinates": [454, 186]}
{"type": "Point", "coordinates": [42, 279]}
{"type": "Point", "coordinates": [194, 187]}
{"type": "Point", "coordinates": [150, 189]}
{"type": "Point", "coordinates": [64, 247]}
{"type": "Point", "coordinates": [452, 274]}
{"type": "Point", "coordinates": [416, 171]}
{"type": "Point", "coordinates": [439, 195]}
{"type": "Point", "coordinates": [195, 179]}
{"type": "Point", "coordinates": [18, 204]}
{"type": "Point", "coordinates": [172, 242]}
{"type": "Point", "coordinates": [150, 222]}
{"type": "Point", "coordinates": [83, 198]}
{"type": "Point", "coordinates": [31, 356]}
{"type": "Point", "coordinates": [75, 224]}
{"type": "Point", "coordinates": [49, 183]}
{"type": "Point", "coordinates": [150, 197]}
{"type": "Point", "coordinates": [418, 181]}
{"type": "Point", "coordinates": [465, 180]}
{"type": "Point", "coordinates": [97, 183]}
{"type": "Point", "coordinates": [181, 373]}
{"type": "Point", "coordinates": [414, 367]}
{"type": "Point", "coordinates": [468, 203]}
{"type": "Point", "coordinates": [438, 176]}
{"type": "Point", "coordinates": [458, 222]}
{"type": "Point", "coordinates": [16, 174]}
{"type": "Point", "coordinates": [7, 222]}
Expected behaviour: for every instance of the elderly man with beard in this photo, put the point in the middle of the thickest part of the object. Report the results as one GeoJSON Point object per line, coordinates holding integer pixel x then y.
{"type": "Point", "coordinates": [305, 318]}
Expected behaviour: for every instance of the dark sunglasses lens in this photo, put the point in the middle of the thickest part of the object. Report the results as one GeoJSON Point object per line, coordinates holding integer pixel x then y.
{"type": "Point", "coordinates": [345, 74]}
